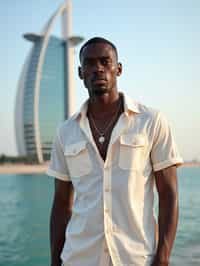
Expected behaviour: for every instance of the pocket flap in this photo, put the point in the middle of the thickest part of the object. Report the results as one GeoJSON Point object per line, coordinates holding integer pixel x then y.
{"type": "Point", "coordinates": [133, 140]}
{"type": "Point", "coordinates": [74, 149]}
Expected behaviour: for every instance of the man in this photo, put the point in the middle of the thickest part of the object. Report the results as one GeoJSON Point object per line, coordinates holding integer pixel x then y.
{"type": "Point", "coordinates": [106, 159]}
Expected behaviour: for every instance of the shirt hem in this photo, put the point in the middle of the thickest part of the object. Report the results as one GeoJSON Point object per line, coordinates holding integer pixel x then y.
{"type": "Point", "coordinates": [173, 161]}
{"type": "Point", "coordinates": [58, 175]}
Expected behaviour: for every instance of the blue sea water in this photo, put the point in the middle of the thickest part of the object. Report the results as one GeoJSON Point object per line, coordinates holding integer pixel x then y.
{"type": "Point", "coordinates": [25, 204]}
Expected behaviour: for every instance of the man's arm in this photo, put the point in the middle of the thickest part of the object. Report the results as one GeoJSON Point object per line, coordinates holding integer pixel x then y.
{"type": "Point", "coordinates": [166, 184]}
{"type": "Point", "coordinates": [60, 216]}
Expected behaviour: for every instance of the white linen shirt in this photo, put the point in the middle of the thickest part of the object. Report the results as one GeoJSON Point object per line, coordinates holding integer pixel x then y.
{"type": "Point", "coordinates": [113, 219]}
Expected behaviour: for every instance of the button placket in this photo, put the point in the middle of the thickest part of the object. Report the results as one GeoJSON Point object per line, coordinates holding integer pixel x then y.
{"type": "Point", "coordinates": [107, 200]}
{"type": "Point", "coordinates": [108, 224]}
{"type": "Point", "coordinates": [108, 210]}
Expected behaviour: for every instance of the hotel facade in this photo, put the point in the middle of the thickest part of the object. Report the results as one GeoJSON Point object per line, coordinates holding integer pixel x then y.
{"type": "Point", "coordinates": [45, 94]}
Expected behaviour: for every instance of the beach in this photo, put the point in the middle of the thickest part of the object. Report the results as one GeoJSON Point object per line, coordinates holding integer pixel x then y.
{"type": "Point", "coordinates": [23, 168]}
{"type": "Point", "coordinates": [41, 168]}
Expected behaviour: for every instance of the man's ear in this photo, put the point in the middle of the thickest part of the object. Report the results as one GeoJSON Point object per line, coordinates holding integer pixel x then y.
{"type": "Point", "coordinates": [119, 69]}
{"type": "Point", "coordinates": [80, 74]}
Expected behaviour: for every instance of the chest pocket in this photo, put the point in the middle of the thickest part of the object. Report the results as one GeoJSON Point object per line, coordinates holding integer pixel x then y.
{"type": "Point", "coordinates": [131, 153]}
{"type": "Point", "coordinates": [78, 160]}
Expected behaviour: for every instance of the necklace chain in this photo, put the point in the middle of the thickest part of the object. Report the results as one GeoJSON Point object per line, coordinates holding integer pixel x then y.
{"type": "Point", "coordinates": [101, 139]}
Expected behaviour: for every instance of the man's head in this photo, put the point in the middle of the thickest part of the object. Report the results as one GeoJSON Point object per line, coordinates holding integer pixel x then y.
{"type": "Point", "coordinates": [99, 66]}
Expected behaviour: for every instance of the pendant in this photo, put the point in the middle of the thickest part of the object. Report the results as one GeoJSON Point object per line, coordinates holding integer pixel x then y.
{"type": "Point", "coordinates": [101, 139]}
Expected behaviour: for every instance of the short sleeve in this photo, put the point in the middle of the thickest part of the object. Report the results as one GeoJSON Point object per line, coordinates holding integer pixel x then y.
{"type": "Point", "coordinates": [164, 151]}
{"type": "Point", "coordinates": [58, 167]}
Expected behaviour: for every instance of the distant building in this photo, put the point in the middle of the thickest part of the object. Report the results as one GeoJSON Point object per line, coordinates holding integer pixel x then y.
{"type": "Point", "coordinates": [45, 95]}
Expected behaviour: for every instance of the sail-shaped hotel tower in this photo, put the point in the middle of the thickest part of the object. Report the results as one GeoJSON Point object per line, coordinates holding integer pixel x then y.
{"type": "Point", "coordinates": [45, 95]}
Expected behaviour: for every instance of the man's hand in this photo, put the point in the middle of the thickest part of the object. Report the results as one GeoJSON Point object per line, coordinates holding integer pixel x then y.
{"type": "Point", "coordinates": [166, 184]}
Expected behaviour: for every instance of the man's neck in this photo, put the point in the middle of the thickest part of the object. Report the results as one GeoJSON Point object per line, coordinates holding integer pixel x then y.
{"type": "Point", "coordinates": [103, 104]}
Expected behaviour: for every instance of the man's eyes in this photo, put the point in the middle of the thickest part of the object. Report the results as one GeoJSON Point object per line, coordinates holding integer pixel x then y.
{"type": "Point", "coordinates": [106, 61]}
{"type": "Point", "coordinates": [103, 61]}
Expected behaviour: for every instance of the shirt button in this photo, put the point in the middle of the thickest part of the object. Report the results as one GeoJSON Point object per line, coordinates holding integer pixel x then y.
{"type": "Point", "coordinates": [107, 189]}
{"type": "Point", "coordinates": [106, 250]}
{"type": "Point", "coordinates": [106, 210]}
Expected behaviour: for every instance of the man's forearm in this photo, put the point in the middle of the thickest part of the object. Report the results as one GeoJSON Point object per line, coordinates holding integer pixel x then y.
{"type": "Point", "coordinates": [167, 223]}
{"type": "Point", "coordinates": [58, 222]}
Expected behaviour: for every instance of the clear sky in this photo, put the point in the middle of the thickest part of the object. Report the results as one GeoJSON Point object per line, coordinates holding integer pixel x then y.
{"type": "Point", "coordinates": [158, 44]}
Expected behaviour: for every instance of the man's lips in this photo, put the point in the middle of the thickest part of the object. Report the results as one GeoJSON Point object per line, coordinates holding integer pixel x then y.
{"type": "Point", "coordinates": [98, 80]}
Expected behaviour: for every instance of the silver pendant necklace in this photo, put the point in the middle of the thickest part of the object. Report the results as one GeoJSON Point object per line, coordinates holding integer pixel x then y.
{"type": "Point", "coordinates": [101, 138]}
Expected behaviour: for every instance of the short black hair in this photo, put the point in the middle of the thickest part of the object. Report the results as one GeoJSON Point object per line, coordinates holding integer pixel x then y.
{"type": "Point", "coordinates": [97, 40]}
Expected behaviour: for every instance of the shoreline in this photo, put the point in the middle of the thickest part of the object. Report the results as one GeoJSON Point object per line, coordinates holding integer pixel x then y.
{"type": "Point", "coordinates": [190, 164]}
{"type": "Point", "coordinates": [23, 168]}
{"type": "Point", "coordinates": [42, 168]}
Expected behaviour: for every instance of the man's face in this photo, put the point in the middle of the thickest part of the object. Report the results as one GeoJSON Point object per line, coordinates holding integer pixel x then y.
{"type": "Point", "coordinates": [99, 68]}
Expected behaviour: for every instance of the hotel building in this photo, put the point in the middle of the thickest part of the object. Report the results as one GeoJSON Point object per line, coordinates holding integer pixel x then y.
{"type": "Point", "coordinates": [45, 95]}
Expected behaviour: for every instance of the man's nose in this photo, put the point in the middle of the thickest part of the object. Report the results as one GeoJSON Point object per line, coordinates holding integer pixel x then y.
{"type": "Point", "coordinates": [98, 67]}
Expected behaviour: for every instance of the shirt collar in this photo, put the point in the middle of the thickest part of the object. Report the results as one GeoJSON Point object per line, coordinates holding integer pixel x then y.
{"type": "Point", "coordinates": [129, 105]}
{"type": "Point", "coordinates": [82, 111]}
